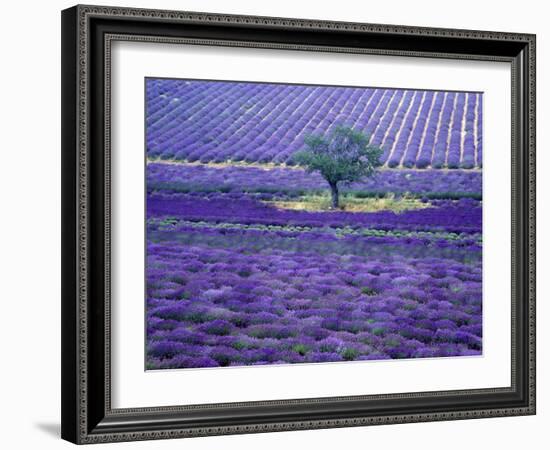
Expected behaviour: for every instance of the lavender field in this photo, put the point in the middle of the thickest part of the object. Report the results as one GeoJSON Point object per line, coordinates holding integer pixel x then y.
{"type": "Point", "coordinates": [260, 122]}
{"type": "Point", "coordinates": [248, 263]}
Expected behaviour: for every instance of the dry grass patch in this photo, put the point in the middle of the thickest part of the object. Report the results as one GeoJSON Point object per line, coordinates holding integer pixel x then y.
{"type": "Point", "coordinates": [351, 204]}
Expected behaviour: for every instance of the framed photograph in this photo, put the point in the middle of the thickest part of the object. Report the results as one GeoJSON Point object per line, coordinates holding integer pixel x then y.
{"type": "Point", "coordinates": [280, 224]}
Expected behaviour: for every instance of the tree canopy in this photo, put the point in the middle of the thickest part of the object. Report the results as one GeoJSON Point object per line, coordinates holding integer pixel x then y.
{"type": "Point", "coordinates": [344, 156]}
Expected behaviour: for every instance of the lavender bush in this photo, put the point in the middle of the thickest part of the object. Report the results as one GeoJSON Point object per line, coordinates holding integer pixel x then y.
{"type": "Point", "coordinates": [287, 182]}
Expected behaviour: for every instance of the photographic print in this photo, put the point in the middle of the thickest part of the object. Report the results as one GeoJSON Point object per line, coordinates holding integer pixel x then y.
{"type": "Point", "coordinates": [291, 223]}
{"type": "Point", "coordinates": [249, 196]}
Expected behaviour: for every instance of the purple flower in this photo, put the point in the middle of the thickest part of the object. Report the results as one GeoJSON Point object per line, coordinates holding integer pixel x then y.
{"type": "Point", "coordinates": [218, 327]}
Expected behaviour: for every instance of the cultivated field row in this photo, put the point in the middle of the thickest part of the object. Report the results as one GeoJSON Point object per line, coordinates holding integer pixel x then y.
{"type": "Point", "coordinates": [259, 122]}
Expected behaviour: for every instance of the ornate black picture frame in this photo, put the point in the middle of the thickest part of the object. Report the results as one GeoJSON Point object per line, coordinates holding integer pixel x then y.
{"type": "Point", "coordinates": [87, 34]}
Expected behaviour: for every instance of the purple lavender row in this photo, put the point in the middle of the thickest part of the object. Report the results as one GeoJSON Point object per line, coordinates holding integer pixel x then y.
{"type": "Point", "coordinates": [376, 103]}
{"type": "Point", "coordinates": [386, 120]}
{"type": "Point", "coordinates": [464, 216]}
{"type": "Point", "coordinates": [372, 243]}
{"type": "Point", "coordinates": [412, 148]}
{"type": "Point", "coordinates": [455, 138]}
{"type": "Point", "coordinates": [479, 142]}
{"type": "Point", "coordinates": [441, 142]}
{"type": "Point", "coordinates": [404, 134]}
{"type": "Point", "coordinates": [396, 124]}
{"type": "Point", "coordinates": [468, 156]}
{"type": "Point", "coordinates": [285, 182]}
{"type": "Point", "coordinates": [428, 140]}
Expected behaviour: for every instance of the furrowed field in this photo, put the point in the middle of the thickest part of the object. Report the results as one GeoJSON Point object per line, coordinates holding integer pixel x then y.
{"type": "Point", "coordinates": [248, 264]}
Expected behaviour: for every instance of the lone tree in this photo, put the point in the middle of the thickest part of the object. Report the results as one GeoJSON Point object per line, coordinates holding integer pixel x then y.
{"type": "Point", "coordinates": [343, 157]}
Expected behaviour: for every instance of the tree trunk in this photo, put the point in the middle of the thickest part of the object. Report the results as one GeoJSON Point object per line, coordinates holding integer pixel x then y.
{"type": "Point", "coordinates": [334, 194]}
